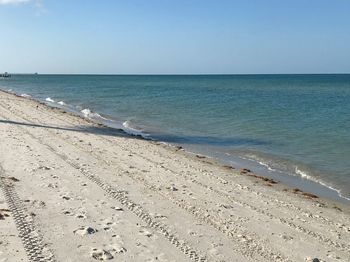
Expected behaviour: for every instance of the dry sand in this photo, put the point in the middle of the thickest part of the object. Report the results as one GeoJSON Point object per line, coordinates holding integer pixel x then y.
{"type": "Point", "coordinates": [73, 190]}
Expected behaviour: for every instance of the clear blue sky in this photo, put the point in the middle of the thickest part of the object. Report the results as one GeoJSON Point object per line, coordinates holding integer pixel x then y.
{"type": "Point", "coordinates": [174, 37]}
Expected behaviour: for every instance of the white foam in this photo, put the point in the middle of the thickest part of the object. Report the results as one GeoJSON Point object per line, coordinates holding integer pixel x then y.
{"type": "Point", "coordinates": [86, 112]}
{"type": "Point", "coordinates": [305, 175]}
{"type": "Point", "coordinates": [89, 114]}
{"type": "Point", "coordinates": [131, 130]}
{"type": "Point", "coordinates": [49, 99]}
{"type": "Point", "coordinates": [61, 103]}
{"type": "Point", "coordinates": [297, 172]}
{"type": "Point", "coordinates": [266, 165]}
{"type": "Point", "coordinates": [25, 95]}
{"type": "Point", "coordinates": [257, 159]}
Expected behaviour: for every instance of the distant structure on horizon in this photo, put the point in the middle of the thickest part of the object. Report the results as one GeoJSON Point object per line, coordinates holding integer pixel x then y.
{"type": "Point", "coordinates": [5, 75]}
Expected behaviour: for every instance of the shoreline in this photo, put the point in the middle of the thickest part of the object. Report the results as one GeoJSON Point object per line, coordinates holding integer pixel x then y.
{"type": "Point", "coordinates": [99, 189]}
{"type": "Point", "coordinates": [301, 182]}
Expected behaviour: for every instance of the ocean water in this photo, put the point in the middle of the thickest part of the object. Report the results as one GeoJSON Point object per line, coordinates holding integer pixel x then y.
{"type": "Point", "coordinates": [294, 128]}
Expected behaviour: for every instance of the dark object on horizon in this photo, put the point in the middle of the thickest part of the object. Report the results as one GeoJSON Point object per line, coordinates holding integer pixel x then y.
{"type": "Point", "coordinates": [5, 75]}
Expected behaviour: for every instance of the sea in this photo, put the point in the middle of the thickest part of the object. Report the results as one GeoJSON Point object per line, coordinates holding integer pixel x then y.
{"type": "Point", "coordinates": [292, 128]}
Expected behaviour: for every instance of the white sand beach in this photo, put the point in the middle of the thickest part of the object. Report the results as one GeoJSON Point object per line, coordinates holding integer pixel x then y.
{"type": "Point", "coordinates": [75, 190]}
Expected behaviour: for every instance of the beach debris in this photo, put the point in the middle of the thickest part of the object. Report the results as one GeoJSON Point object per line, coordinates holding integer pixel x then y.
{"type": "Point", "coordinates": [319, 204]}
{"type": "Point", "coordinates": [337, 208]}
{"type": "Point", "coordinates": [66, 197]}
{"type": "Point", "coordinates": [66, 212]}
{"type": "Point", "coordinates": [296, 190]}
{"type": "Point", "coordinates": [83, 231]}
{"type": "Point", "coordinates": [10, 178]}
{"type": "Point", "coordinates": [245, 171]}
{"type": "Point", "coordinates": [309, 195]}
{"type": "Point", "coordinates": [101, 254]}
{"type": "Point", "coordinates": [159, 216]}
{"type": "Point", "coordinates": [200, 156]}
{"type": "Point", "coordinates": [172, 188]}
{"type": "Point", "coordinates": [117, 208]}
{"type": "Point", "coordinates": [228, 167]}
{"type": "Point", "coordinates": [269, 181]}
{"type": "Point", "coordinates": [306, 194]}
{"type": "Point", "coordinates": [310, 259]}
{"type": "Point", "coordinates": [13, 179]}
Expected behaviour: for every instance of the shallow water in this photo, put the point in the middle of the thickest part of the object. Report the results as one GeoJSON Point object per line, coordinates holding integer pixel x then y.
{"type": "Point", "coordinates": [291, 126]}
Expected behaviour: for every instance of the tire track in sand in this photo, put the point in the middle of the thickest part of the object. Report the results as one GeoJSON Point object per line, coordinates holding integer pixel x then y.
{"type": "Point", "coordinates": [121, 197]}
{"type": "Point", "coordinates": [32, 241]}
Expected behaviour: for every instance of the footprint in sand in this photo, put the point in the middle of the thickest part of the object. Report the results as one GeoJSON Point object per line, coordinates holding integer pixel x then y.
{"type": "Point", "coordinates": [44, 168]}
{"type": "Point", "coordinates": [117, 248]}
{"type": "Point", "coordinates": [107, 225]}
{"type": "Point", "coordinates": [101, 254]}
{"type": "Point", "coordinates": [146, 233]}
{"type": "Point", "coordinates": [4, 213]}
{"type": "Point", "coordinates": [106, 253]}
{"type": "Point", "coordinates": [80, 216]}
{"type": "Point", "coordinates": [38, 204]}
{"type": "Point", "coordinates": [51, 185]}
{"type": "Point", "coordinates": [67, 212]}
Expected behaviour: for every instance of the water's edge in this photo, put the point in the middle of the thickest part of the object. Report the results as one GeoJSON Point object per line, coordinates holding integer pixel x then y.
{"type": "Point", "coordinates": [301, 181]}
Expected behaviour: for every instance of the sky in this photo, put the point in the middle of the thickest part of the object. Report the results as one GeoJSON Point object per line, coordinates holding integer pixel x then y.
{"type": "Point", "coordinates": [175, 37]}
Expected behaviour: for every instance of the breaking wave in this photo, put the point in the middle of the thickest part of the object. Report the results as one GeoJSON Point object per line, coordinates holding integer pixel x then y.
{"type": "Point", "coordinates": [131, 129]}
{"type": "Point", "coordinates": [49, 99]}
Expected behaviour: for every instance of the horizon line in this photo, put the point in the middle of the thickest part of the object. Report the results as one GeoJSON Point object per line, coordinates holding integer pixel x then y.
{"type": "Point", "coordinates": [179, 74]}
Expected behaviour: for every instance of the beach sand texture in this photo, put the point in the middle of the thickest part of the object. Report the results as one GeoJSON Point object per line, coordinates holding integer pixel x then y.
{"type": "Point", "coordinates": [74, 190]}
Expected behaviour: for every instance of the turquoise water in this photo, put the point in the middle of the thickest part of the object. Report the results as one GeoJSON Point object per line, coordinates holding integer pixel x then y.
{"type": "Point", "coordinates": [293, 127]}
